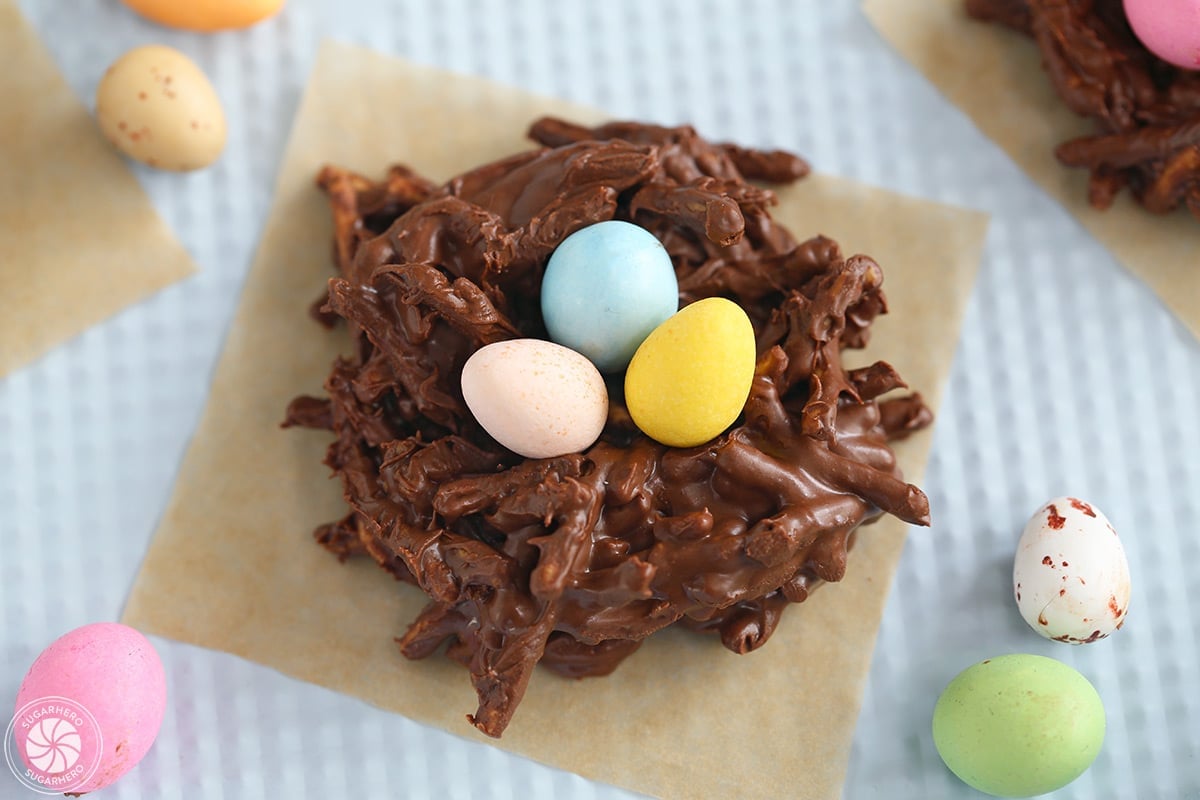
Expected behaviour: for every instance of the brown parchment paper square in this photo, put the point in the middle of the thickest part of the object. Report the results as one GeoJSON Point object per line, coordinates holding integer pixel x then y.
{"type": "Point", "coordinates": [995, 75]}
{"type": "Point", "coordinates": [79, 239]}
{"type": "Point", "coordinates": [233, 567]}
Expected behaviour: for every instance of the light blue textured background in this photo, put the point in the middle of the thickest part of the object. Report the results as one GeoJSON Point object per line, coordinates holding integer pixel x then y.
{"type": "Point", "coordinates": [1070, 377]}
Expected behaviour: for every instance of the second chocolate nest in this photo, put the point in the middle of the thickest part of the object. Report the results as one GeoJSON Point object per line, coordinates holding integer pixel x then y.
{"type": "Point", "coordinates": [572, 561]}
{"type": "Point", "coordinates": [1147, 112]}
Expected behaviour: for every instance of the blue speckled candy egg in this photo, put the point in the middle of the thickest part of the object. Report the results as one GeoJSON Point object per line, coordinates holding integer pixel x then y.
{"type": "Point", "coordinates": [606, 287]}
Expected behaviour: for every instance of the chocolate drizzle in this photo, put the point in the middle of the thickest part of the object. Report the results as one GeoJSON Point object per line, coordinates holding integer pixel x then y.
{"type": "Point", "coordinates": [1146, 111]}
{"type": "Point", "coordinates": [572, 561]}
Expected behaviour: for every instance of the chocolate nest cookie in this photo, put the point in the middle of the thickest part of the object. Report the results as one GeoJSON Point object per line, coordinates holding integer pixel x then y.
{"type": "Point", "coordinates": [573, 561]}
{"type": "Point", "coordinates": [1146, 111]}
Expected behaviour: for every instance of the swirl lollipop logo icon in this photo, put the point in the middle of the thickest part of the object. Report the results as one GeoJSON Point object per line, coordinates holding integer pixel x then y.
{"type": "Point", "coordinates": [53, 745]}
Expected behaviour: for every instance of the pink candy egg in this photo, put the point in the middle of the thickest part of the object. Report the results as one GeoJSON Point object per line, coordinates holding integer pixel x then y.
{"type": "Point", "coordinates": [89, 708]}
{"type": "Point", "coordinates": [537, 398]}
{"type": "Point", "coordinates": [1169, 28]}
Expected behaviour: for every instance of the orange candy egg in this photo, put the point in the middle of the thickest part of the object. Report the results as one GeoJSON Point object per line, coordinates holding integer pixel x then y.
{"type": "Point", "coordinates": [206, 15]}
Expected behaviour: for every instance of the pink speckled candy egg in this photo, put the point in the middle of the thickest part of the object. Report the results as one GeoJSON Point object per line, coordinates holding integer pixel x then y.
{"type": "Point", "coordinates": [537, 398]}
{"type": "Point", "coordinates": [1169, 28]}
{"type": "Point", "coordinates": [89, 708]}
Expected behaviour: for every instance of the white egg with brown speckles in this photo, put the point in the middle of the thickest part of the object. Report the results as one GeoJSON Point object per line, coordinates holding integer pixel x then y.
{"type": "Point", "coordinates": [1070, 574]}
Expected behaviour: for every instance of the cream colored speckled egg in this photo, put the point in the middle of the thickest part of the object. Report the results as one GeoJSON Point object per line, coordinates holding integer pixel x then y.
{"type": "Point", "coordinates": [537, 398]}
{"type": "Point", "coordinates": [157, 107]}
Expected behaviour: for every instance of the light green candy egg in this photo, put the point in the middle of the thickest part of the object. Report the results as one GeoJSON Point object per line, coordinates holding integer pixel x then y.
{"type": "Point", "coordinates": [1018, 725]}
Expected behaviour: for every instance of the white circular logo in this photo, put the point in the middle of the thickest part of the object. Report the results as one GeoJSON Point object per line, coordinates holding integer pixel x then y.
{"type": "Point", "coordinates": [53, 745]}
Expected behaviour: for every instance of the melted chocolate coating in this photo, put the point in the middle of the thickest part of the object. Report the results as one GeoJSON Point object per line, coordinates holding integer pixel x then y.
{"type": "Point", "coordinates": [1146, 111]}
{"type": "Point", "coordinates": [572, 561]}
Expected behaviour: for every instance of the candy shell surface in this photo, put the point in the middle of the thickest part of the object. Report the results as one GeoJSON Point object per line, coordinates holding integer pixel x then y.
{"type": "Point", "coordinates": [606, 287]}
{"type": "Point", "coordinates": [1018, 725]}
{"type": "Point", "coordinates": [157, 107]}
{"type": "Point", "coordinates": [1169, 28]}
{"type": "Point", "coordinates": [1070, 575]}
{"type": "Point", "coordinates": [206, 15]}
{"type": "Point", "coordinates": [537, 398]}
{"type": "Point", "coordinates": [106, 676]}
{"type": "Point", "coordinates": [690, 379]}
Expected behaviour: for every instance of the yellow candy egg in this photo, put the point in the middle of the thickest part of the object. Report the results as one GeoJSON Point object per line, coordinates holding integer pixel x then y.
{"type": "Point", "coordinates": [157, 107]}
{"type": "Point", "coordinates": [689, 379]}
{"type": "Point", "coordinates": [205, 15]}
